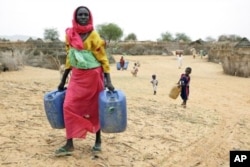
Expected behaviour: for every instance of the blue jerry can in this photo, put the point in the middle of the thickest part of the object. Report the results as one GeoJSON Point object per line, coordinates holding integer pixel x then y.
{"type": "Point", "coordinates": [112, 111]}
{"type": "Point", "coordinates": [118, 65]}
{"type": "Point", "coordinates": [126, 65]}
{"type": "Point", "coordinates": [53, 105]}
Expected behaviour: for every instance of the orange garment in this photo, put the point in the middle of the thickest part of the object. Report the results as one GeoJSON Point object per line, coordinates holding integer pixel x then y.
{"type": "Point", "coordinates": [95, 44]}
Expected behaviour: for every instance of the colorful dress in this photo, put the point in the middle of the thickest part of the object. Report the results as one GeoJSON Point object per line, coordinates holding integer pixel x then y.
{"type": "Point", "coordinates": [81, 100]}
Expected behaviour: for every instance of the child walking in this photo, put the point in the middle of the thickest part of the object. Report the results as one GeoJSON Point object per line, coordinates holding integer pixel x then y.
{"type": "Point", "coordinates": [154, 82]}
{"type": "Point", "coordinates": [184, 82]}
{"type": "Point", "coordinates": [179, 59]}
{"type": "Point", "coordinates": [135, 70]}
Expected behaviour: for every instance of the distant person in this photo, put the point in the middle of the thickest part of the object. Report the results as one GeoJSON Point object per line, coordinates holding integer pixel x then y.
{"type": "Point", "coordinates": [87, 59]}
{"type": "Point", "coordinates": [184, 82]}
{"type": "Point", "coordinates": [193, 50]}
{"type": "Point", "coordinates": [154, 82]}
{"type": "Point", "coordinates": [135, 70]}
{"type": "Point", "coordinates": [202, 53]}
{"type": "Point", "coordinates": [138, 63]}
{"type": "Point", "coordinates": [179, 59]}
{"type": "Point", "coordinates": [122, 63]}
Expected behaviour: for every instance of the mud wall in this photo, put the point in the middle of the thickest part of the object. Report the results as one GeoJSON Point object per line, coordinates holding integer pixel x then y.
{"type": "Point", "coordinates": [235, 60]}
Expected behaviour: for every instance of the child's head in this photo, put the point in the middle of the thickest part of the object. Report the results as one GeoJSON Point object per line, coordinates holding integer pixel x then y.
{"type": "Point", "coordinates": [154, 76]}
{"type": "Point", "coordinates": [188, 70]}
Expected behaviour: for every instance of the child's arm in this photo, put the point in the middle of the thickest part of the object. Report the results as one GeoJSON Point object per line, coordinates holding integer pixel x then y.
{"type": "Point", "coordinates": [179, 81]}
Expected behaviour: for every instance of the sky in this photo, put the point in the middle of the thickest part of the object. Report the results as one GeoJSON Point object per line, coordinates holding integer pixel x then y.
{"type": "Point", "coordinates": [147, 19]}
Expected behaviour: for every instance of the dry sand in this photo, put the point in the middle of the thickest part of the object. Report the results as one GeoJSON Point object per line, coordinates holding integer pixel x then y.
{"type": "Point", "coordinates": [160, 133]}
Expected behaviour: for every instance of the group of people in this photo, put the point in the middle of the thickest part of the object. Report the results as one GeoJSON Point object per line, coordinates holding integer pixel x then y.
{"type": "Point", "coordinates": [183, 84]}
{"type": "Point", "coordinates": [200, 53]}
{"type": "Point", "coordinates": [135, 68]}
{"type": "Point", "coordinates": [89, 67]}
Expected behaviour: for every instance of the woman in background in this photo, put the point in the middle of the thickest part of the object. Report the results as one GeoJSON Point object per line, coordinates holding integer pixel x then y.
{"type": "Point", "coordinates": [122, 63]}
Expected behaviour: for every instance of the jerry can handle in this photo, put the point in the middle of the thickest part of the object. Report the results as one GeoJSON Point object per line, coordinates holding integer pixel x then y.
{"type": "Point", "coordinates": [50, 96]}
{"type": "Point", "coordinates": [111, 94]}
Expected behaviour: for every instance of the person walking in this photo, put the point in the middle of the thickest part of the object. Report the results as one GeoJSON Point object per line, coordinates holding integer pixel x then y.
{"type": "Point", "coordinates": [135, 70]}
{"type": "Point", "coordinates": [154, 82]}
{"type": "Point", "coordinates": [179, 59]}
{"type": "Point", "coordinates": [184, 82]}
{"type": "Point", "coordinates": [89, 66]}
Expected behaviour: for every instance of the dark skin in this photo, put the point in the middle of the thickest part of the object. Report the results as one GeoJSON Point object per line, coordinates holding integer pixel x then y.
{"type": "Point", "coordinates": [154, 77]}
{"type": "Point", "coordinates": [187, 72]}
{"type": "Point", "coordinates": [82, 18]}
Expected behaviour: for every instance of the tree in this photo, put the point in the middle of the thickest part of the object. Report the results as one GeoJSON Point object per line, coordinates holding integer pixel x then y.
{"type": "Point", "coordinates": [131, 37]}
{"type": "Point", "coordinates": [110, 32]}
{"type": "Point", "coordinates": [182, 37]}
{"type": "Point", "coordinates": [51, 34]}
{"type": "Point", "coordinates": [210, 39]}
{"type": "Point", "coordinates": [222, 38]}
{"type": "Point", "coordinates": [232, 38]}
{"type": "Point", "coordinates": [167, 36]}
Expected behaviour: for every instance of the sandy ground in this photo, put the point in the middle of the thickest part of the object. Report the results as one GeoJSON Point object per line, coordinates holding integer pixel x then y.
{"type": "Point", "coordinates": [160, 133]}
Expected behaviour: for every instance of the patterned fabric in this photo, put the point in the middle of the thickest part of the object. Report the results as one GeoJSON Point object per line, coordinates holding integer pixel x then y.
{"type": "Point", "coordinates": [96, 45]}
{"type": "Point", "coordinates": [82, 59]}
{"type": "Point", "coordinates": [80, 106]}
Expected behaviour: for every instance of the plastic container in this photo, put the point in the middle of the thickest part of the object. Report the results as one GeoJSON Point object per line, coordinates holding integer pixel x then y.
{"type": "Point", "coordinates": [118, 65]}
{"type": "Point", "coordinates": [126, 65]}
{"type": "Point", "coordinates": [112, 111]}
{"type": "Point", "coordinates": [53, 105]}
{"type": "Point", "coordinates": [175, 92]}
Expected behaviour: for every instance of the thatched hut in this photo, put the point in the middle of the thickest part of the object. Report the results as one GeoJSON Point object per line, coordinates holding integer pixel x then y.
{"type": "Point", "coordinates": [237, 62]}
{"type": "Point", "coordinates": [199, 46]}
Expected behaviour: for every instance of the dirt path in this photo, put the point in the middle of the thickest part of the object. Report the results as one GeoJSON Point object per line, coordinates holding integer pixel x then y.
{"type": "Point", "coordinates": [160, 132]}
